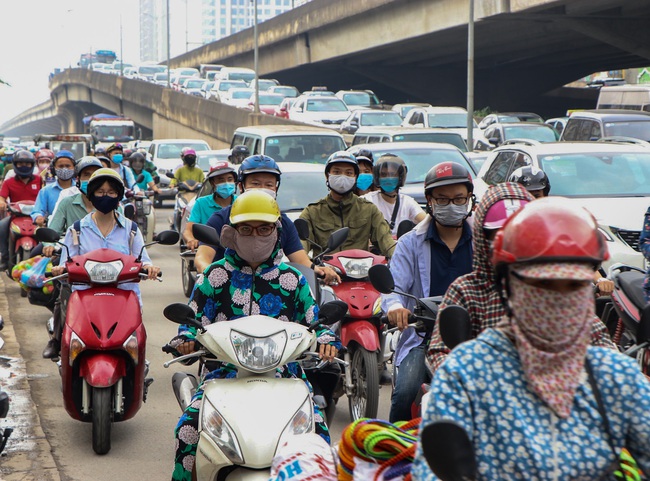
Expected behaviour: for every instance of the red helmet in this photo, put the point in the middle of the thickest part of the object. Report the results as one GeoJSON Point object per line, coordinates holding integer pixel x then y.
{"type": "Point", "coordinates": [549, 230]}
{"type": "Point", "coordinates": [44, 154]}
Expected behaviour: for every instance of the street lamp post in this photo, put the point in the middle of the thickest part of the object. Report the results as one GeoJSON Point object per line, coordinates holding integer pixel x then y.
{"type": "Point", "coordinates": [121, 55]}
{"type": "Point", "coordinates": [256, 60]}
{"type": "Point", "coordinates": [470, 77]}
{"type": "Point", "coordinates": [168, 49]}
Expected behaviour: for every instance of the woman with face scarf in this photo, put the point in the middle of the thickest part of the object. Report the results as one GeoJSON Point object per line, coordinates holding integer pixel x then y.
{"type": "Point", "coordinates": [525, 391]}
{"type": "Point", "coordinates": [250, 279]}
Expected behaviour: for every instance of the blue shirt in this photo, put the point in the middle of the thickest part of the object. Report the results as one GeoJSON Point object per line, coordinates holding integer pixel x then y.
{"type": "Point", "coordinates": [46, 200]}
{"type": "Point", "coordinates": [144, 185]}
{"type": "Point", "coordinates": [446, 266]}
{"type": "Point", "coordinates": [203, 209]}
{"type": "Point", "coordinates": [127, 176]}
{"type": "Point", "coordinates": [289, 239]}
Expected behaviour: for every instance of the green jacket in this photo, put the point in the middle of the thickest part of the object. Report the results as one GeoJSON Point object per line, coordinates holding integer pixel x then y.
{"type": "Point", "coordinates": [364, 219]}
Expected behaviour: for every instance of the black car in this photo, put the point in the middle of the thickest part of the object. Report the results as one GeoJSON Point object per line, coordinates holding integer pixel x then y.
{"type": "Point", "coordinates": [590, 125]}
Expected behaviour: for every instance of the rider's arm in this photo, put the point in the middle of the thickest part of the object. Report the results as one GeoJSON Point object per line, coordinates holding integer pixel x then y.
{"type": "Point", "coordinates": [600, 335]}
{"type": "Point", "coordinates": [204, 257]}
{"type": "Point", "coordinates": [40, 206]}
{"type": "Point", "coordinates": [189, 239]}
{"type": "Point", "coordinates": [404, 268]}
{"type": "Point", "coordinates": [4, 194]}
{"type": "Point", "coordinates": [437, 351]}
{"type": "Point", "coordinates": [72, 248]}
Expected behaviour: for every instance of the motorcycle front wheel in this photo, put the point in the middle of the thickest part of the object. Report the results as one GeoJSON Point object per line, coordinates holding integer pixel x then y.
{"type": "Point", "coordinates": [188, 279]}
{"type": "Point", "coordinates": [102, 419]}
{"type": "Point", "coordinates": [364, 399]}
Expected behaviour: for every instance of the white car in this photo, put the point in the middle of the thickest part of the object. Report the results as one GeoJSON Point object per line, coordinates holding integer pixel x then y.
{"type": "Point", "coordinates": [453, 118]}
{"type": "Point", "coordinates": [220, 88]}
{"type": "Point", "coordinates": [238, 97]}
{"type": "Point", "coordinates": [166, 154]}
{"type": "Point", "coordinates": [193, 86]}
{"type": "Point", "coordinates": [319, 110]}
{"type": "Point", "coordinates": [610, 179]}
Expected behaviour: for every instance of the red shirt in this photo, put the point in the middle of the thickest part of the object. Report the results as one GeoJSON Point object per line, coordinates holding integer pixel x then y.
{"type": "Point", "coordinates": [15, 190]}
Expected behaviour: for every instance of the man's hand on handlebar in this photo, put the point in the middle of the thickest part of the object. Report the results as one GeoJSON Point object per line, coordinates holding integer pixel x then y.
{"type": "Point", "coordinates": [186, 347]}
{"type": "Point", "coordinates": [399, 317]}
{"type": "Point", "coordinates": [192, 244]}
{"type": "Point", "coordinates": [328, 275]}
{"type": "Point", "coordinates": [58, 270]}
{"type": "Point", "coordinates": [40, 221]}
{"type": "Point", "coordinates": [48, 251]}
{"type": "Point", "coordinates": [326, 352]}
{"type": "Point", "coordinates": [152, 271]}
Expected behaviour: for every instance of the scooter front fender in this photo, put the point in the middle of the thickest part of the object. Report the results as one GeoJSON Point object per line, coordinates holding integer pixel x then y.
{"type": "Point", "coordinates": [362, 332]}
{"type": "Point", "coordinates": [102, 369]}
{"type": "Point", "coordinates": [26, 243]}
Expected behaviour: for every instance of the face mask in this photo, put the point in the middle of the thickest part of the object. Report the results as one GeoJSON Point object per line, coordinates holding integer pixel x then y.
{"type": "Point", "coordinates": [64, 174]}
{"type": "Point", "coordinates": [43, 166]}
{"type": "Point", "coordinates": [450, 215]}
{"type": "Point", "coordinates": [190, 162]}
{"type": "Point", "coordinates": [105, 204]}
{"type": "Point", "coordinates": [388, 184]}
{"type": "Point", "coordinates": [83, 186]}
{"type": "Point", "coordinates": [118, 158]}
{"type": "Point", "coordinates": [253, 249]}
{"type": "Point", "coordinates": [341, 184]}
{"type": "Point", "coordinates": [24, 171]}
{"type": "Point", "coordinates": [225, 189]}
{"type": "Point", "coordinates": [364, 181]}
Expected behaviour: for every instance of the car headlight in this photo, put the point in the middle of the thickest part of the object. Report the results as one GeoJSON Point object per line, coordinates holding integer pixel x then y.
{"type": "Point", "coordinates": [103, 272]}
{"type": "Point", "coordinates": [302, 422]}
{"type": "Point", "coordinates": [356, 268]}
{"type": "Point", "coordinates": [215, 426]}
{"type": "Point", "coordinates": [258, 354]}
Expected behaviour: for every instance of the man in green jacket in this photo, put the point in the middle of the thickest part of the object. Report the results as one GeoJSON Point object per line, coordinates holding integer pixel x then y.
{"type": "Point", "coordinates": [342, 208]}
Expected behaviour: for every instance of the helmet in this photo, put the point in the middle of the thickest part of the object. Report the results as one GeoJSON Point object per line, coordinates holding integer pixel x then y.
{"type": "Point", "coordinates": [363, 153]}
{"type": "Point", "coordinates": [531, 177]}
{"type": "Point", "coordinates": [256, 164]}
{"type": "Point", "coordinates": [221, 168]}
{"type": "Point", "coordinates": [103, 158]}
{"type": "Point", "coordinates": [113, 147]}
{"type": "Point", "coordinates": [447, 173]}
{"type": "Point", "coordinates": [87, 161]}
{"type": "Point", "coordinates": [188, 151]}
{"type": "Point", "coordinates": [33, 149]}
{"type": "Point", "coordinates": [99, 151]}
{"type": "Point", "coordinates": [240, 151]}
{"type": "Point", "coordinates": [189, 156]}
{"type": "Point", "coordinates": [137, 157]}
{"type": "Point", "coordinates": [549, 230]}
{"type": "Point", "coordinates": [44, 154]}
{"type": "Point", "coordinates": [499, 212]}
{"type": "Point", "coordinates": [64, 154]}
{"type": "Point", "coordinates": [254, 205]}
{"type": "Point", "coordinates": [386, 162]}
{"type": "Point", "coordinates": [24, 155]}
{"type": "Point", "coordinates": [342, 157]}
{"type": "Point", "coordinates": [102, 175]}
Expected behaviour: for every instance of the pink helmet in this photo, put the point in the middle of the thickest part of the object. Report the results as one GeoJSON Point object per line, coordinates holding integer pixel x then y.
{"type": "Point", "coordinates": [499, 212]}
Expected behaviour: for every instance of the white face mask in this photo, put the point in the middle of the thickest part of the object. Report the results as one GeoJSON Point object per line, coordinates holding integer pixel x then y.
{"type": "Point", "coordinates": [341, 184]}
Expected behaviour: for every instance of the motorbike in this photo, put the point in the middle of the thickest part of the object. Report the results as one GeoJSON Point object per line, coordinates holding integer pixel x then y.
{"type": "Point", "coordinates": [21, 231]}
{"type": "Point", "coordinates": [449, 451]}
{"type": "Point", "coordinates": [245, 419]}
{"type": "Point", "coordinates": [103, 367]}
{"type": "Point", "coordinates": [5, 433]}
{"type": "Point", "coordinates": [627, 315]}
{"type": "Point", "coordinates": [187, 191]}
{"type": "Point", "coordinates": [143, 213]}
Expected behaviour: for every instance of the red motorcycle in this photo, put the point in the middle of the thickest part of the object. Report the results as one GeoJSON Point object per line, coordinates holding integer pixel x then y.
{"type": "Point", "coordinates": [103, 366]}
{"type": "Point", "coordinates": [21, 231]}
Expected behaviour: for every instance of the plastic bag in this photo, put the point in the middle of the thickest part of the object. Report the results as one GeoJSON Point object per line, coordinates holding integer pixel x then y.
{"type": "Point", "coordinates": [34, 275]}
{"type": "Point", "coordinates": [302, 458]}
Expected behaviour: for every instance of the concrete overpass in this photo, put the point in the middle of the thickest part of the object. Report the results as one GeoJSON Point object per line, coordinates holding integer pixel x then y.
{"type": "Point", "coordinates": [414, 50]}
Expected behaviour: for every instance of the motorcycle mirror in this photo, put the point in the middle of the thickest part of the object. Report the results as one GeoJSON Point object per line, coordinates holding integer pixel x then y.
{"type": "Point", "coordinates": [302, 226]}
{"type": "Point", "coordinates": [337, 238]}
{"type": "Point", "coordinates": [181, 314]}
{"type": "Point", "coordinates": [449, 451]}
{"type": "Point", "coordinates": [170, 175]}
{"type": "Point", "coordinates": [381, 278]}
{"type": "Point", "coordinates": [167, 237]}
{"type": "Point", "coordinates": [332, 312]}
{"type": "Point", "coordinates": [139, 178]}
{"type": "Point", "coordinates": [205, 234]}
{"type": "Point", "coordinates": [404, 227]}
{"type": "Point", "coordinates": [45, 234]}
{"type": "Point", "coordinates": [455, 326]}
{"type": "Point", "coordinates": [129, 211]}
{"type": "Point", "coordinates": [643, 331]}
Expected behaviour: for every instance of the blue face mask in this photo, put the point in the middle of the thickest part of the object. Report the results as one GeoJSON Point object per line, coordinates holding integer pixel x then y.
{"type": "Point", "coordinates": [118, 158]}
{"type": "Point", "coordinates": [225, 189]}
{"type": "Point", "coordinates": [83, 186]}
{"type": "Point", "coordinates": [388, 184]}
{"type": "Point", "coordinates": [364, 181]}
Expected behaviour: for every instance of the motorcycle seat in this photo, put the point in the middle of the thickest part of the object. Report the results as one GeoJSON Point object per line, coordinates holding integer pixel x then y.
{"type": "Point", "coordinates": [631, 283]}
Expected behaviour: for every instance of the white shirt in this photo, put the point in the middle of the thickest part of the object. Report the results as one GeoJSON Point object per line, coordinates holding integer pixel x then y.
{"type": "Point", "coordinates": [409, 209]}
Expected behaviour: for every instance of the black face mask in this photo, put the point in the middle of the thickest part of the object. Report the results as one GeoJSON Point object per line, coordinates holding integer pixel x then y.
{"type": "Point", "coordinates": [105, 204]}
{"type": "Point", "coordinates": [190, 161]}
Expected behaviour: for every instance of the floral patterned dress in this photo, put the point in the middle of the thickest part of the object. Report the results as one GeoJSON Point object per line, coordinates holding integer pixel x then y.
{"type": "Point", "coordinates": [229, 289]}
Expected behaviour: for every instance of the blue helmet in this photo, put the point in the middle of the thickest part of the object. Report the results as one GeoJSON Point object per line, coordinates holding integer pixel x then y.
{"type": "Point", "coordinates": [256, 164]}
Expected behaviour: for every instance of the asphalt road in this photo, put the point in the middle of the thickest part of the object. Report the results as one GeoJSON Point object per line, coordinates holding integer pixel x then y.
{"type": "Point", "coordinates": [142, 448]}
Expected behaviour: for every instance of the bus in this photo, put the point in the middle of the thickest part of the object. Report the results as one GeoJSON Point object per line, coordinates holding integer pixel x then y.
{"type": "Point", "coordinates": [102, 56]}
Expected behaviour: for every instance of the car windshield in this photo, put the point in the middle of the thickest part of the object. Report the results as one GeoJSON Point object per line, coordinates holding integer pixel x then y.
{"type": "Point", "coordinates": [303, 148]}
{"type": "Point", "coordinates": [326, 105]}
{"type": "Point", "coordinates": [224, 86]}
{"type": "Point", "coordinates": [266, 84]}
{"type": "Point", "coordinates": [173, 151]}
{"type": "Point", "coordinates": [598, 174]}
{"type": "Point", "coordinates": [241, 94]}
{"type": "Point", "coordinates": [194, 84]}
{"type": "Point", "coordinates": [636, 129]}
{"type": "Point", "coordinates": [381, 119]}
{"type": "Point", "coordinates": [534, 132]}
{"type": "Point", "coordinates": [299, 189]}
{"type": "Point", "coordinates": [360, 98]}
{"type": "Point", "coordinates": [271, 99]}
{"type": "Point", "coordinates": [160, 76]}
{"type": "Point", "coordinates": [420, 161]}
{"type": "Point", "coordinates": [286, 91]}
{"type": "Point", "coordinates": [151, 69]}
{"type": "Point", "coordinates": [245, 76]}
{"type": "Point", "coordinates": [437, 137]}
{"type": "Point", "coordinates": [449, 120]}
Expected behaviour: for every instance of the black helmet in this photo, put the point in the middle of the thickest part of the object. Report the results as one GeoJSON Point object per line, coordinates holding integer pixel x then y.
{"type": "Point", "coordinates": [388, 161]}
{"type": "Point", "coordinates": [447, 173]}
{"type": "Point", "coordinates": [342, 157]}
{"type": "Point", "coordinates": [24, 155]}
{"type": "Point", "coordinates": [137, 157]}
{"type": "Point", "coordinates": [531, 177]}
{"type": "Point", "coordinates": [256, 164]}
{"type": "Point", "coordinates": [239, 151]}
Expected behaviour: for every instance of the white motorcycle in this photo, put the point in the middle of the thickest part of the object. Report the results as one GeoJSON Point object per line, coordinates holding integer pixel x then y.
{"type": "Point", "coordinates": [244, 420]}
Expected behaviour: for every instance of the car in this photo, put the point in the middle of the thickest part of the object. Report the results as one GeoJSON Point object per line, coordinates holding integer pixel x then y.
{"type": "Point", "coordinates": [318, 92]}
{"type": "Point", "coordinates": [371, 135]}
{"type": "Point", "coordinates": [130, 72]}
{"type": "Point", "coordinates": [403, 109]}
{"type": "Point", "coordinates": [509, 117]}
{"type": "Point", "coordinates": [220, 87]}
{"type": "Point", "coordinates": [290, 143]}
{"type": "Point", "coordinates": [160, 78]}
{"type": "Point", "coordinates": [267, 102]}
{"type": "Point", "coordinates": [360, 99]}
{"type": "Point", "coordinates": [177, 81]}
{"type": "Point", "coordinates": [589, 125]}
{"type": "Point", "coordinates": [286, 90]}
{"type": "Point", "coordinates": [236, 73]}
{"type": "Point", "coordinates": [419, 157]}
{"type": "Point", "coordinates": [238, 97]}
{"type": "Point", "coordinates": [264, 83]}
{"type": "Point", "coordinates": [453, 118]}
{"type": "Point", "coordinates": [610, 179]}
{"type": "Point", "coordinates": [558, 123]}
{"type": "Point", "coordinates": [206, 87]}
{"type": "Point", "coordinates": [499, 132]}
{"type": "Point", "coordinates": [188, 71]}
{"type": "Point", "coordinates": [193, 86]}
{"type": "Point", "coordinates": [282, 110]}
{"type": "Point", "coordinates": [370, 118]}
{"type": "Point", "coordinates": [206, 159]}
{"type": "Point", "coordinates": [319, 110]}
{"type": "Point", "coordinates": [147, 71]}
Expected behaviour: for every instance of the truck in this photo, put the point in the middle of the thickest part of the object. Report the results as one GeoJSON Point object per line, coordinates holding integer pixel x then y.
{"type": "Point", "coordinates": [628, 97]}
{"type": "Point", "coordinates": [108, 129]}
{"type": "Point", "coordinates": [79, 144]}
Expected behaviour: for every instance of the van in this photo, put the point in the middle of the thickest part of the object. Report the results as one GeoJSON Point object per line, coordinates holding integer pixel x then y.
{"type": "Point", "coordinates": [236, 73]}
{"type": "Point", "coordinates": [591, 125]}
{"type": "Point", "coordinates": [372, 135]}
{"type": "Point", "coordinates": [629, 97]}
{"type": "Point", "coordinates": [290, 143]}
{"type": "Point", "coordinates": [204, 68]}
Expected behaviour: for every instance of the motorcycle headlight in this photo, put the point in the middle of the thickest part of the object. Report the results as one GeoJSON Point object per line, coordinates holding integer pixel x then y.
{"type": "Point", "coordinates": [131, 346]}
{"type": "Point", "coordinates": [103, 272]}
{"type": "Point", "coordinates": [76, 347]}
{"type": "Point", "coordinates": [356, 268]}
{"type": "Point", "coordinates": [302, 422]}
{"type": "Point", "coordinates": [26, 209]}
{"type": "Point", "coordinates": [215, 426]}
{"type": "Point", "coordinates": [258, 354]}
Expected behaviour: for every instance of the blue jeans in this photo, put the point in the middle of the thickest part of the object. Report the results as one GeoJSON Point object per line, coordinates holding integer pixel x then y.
{"type": "Point", "coordinates": [412, 373]}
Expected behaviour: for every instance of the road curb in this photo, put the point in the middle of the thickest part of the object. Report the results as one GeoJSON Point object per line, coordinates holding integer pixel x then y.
{"type": "Point", "coordinates": [28, 454]}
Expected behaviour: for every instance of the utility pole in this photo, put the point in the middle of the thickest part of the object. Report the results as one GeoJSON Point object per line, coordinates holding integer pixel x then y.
{"type": "Point", "coordinates": [470, 78]}
{"type": "Point", "coordinates": [168, 53]}
{"type": "Point", "coordinates": [256, 60]}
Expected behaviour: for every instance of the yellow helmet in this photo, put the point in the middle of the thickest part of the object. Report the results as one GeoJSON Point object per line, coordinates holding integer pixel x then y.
{"type": "Point", "coordinates": [102, 175]}
{"type": "Point", "coordinates": [254, 205]}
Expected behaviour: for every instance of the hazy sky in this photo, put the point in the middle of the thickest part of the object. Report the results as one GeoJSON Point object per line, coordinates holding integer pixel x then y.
{"type": "Point", "coordinates": [39, 35]}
